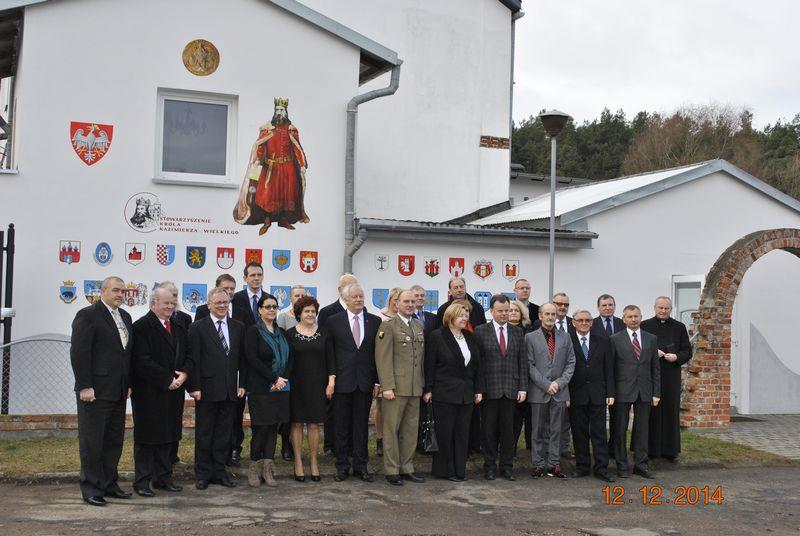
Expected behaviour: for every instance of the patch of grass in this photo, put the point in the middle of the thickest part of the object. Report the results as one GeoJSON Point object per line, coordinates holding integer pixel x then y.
{"type": "Point", "coordinates": [26, 456]}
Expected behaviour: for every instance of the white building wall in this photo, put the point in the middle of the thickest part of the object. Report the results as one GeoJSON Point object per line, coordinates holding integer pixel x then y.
{"type": "Point", "coordinates": [135, 49]}
{"type": "Point", "coordinates": [454, 87]}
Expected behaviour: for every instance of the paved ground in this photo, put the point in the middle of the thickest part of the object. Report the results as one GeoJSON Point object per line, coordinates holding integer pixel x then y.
{"type": "Point", "coordinates": [756, 501]}
{"type": "Point", "coordinates": [779, 434]}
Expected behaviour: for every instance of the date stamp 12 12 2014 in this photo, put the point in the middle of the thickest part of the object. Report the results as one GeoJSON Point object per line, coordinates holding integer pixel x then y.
{"type": "Point", "coordinates": [655, 495]}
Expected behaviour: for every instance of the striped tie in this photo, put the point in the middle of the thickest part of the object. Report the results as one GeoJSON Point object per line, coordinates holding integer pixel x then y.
{"type": "Point", "coordinates": [636, 348]}
{"type": "Point", "coordinates": [222, 337]}
{"type": "Point", "coordinates": [551, 343]}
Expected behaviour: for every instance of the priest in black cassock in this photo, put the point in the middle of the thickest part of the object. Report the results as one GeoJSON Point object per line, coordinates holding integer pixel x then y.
{"type": "Point", "coordinates": [674, 350]}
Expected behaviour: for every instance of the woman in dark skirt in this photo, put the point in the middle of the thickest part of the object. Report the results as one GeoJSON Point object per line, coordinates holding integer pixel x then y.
{"type": "Point", "coordinates": [453, 380]}
{"type": "Point", "coordinates": [269, 364]}
{"type": "Point", "coordinates": [312, 382]}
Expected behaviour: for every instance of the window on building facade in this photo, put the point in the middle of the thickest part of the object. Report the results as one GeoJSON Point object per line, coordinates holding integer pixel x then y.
{"type": "Point", "coordinates": [686, 296]}
{"type": "Point", "coordinates": [195, 138]}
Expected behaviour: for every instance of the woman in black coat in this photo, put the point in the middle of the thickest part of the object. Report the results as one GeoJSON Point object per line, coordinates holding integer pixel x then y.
{"type": "Point", "coordinates": [269, 364]}
{"type": "Point", "coordinates": [454, 383]}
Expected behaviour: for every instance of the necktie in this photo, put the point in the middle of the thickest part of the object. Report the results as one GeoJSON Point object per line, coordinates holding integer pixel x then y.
{"type": "Point", "coordinates": [168, 326]}
{"type": "Point", "coordinates": [421, 317]}
{"type": "Point", "coordinates": [636, 348]}
{"type": "Point", "coordinates": [123, 331]}
{"type": "Point", "coordinates": [222, 337]}
{"type": "Point", "coordinates": [502, 341]}
{"type": "Point", "coordinates": [356, 332]}
{"type": "Point", "coordinates": [551, 343]}
{"type": "Point", "coordinates": [255, 307]}
{"type": "Point", "coordinates": [585, 348]}
{"type": "Point", "coordinates": [609, 329]}
{"type": "Point", "coordinates": [561, 325]}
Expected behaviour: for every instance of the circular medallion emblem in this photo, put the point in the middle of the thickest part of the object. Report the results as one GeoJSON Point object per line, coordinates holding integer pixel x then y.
{"type": "Point", "coordinates": [200, 57]}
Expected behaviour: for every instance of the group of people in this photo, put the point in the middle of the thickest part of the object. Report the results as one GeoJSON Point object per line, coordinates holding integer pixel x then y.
{"type": "Point", "coordinates": [529, 367]}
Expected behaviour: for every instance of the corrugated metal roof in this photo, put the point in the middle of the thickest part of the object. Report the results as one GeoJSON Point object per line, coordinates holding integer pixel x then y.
{"type": "Point", "coordinates": [579, 202]}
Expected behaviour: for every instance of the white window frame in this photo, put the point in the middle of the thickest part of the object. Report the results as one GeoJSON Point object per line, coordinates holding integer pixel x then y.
{"type": "Point", "coordinates": [677, 279]}
{"type": "Point", "coordinates": [197, 179]}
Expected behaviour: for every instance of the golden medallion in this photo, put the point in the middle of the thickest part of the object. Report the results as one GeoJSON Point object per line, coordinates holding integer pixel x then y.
{"type": "Point", "coordinates": [200, 57]}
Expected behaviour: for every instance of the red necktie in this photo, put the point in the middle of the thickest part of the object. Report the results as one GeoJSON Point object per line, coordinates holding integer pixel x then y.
{"type": "Point", "coordinates": [551, 343]}
{"type": "Point", "coordinates": [502, 341]}
{"type": "Point", "coordinates": [168, 326]}
{"type": "Point", "coordinates": [636, 348]}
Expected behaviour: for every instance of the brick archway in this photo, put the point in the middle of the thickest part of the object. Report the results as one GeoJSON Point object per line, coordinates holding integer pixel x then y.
{"type": "Point", "coordinates": [706, 401]}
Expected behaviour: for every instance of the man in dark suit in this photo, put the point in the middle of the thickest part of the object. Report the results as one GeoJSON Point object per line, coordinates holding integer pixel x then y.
{"type": "Point", "coordinates": [100, 352]}
{"type": "Point", "coordinates": [353, 331]}
{"type": "Point", "coordinates": [225, 282]}
{"type": "Point", "coordinates": [244, 308]}
{"type": "Point", "coordinates": [590, 390]}
{"type": "Point", "coordinates": [326, 312]}
{"type": "Point", "coordinates": [183, 320]}
{"type": "Point", "coordinates": [427, 319]}
{"type": "Point", "coordinates": [638, 384]}
{"type": "Point", "coordinates": [608, 324]}
{"type": "Point", "coordinates": [522, 290]}
{"type": "Point", "coordinates": [159, 355]}
{"type": "Point", "coordinates": [457, 290]}
{"type": "Point", "coordinates": [551, 362]}
{"type": "Point", "coordinates": [505, 379]}
{"type": "Point", "coordinates": [216, 382]}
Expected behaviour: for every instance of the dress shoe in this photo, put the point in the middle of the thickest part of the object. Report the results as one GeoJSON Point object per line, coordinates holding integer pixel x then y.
{"type": "Point", "coordinates": [605, 477]}
{"type": "Point", "coordinates": [95, 501]}
{"type": "Point", "coordinates": [623, 474]}
{"type": "Point", "coordinates": [341, 476]}
{"type": "Point", "coordinates": [413, 477]}
{"type": "Point", "coordinates": [556, 472]}
{"type": "Point", "coordinates": [119, 494]}
{"type": "Point", "coordinates": [144, 492]}
{"type": "Point", "coordinates": [329, 452]}
{"type": "Point", "coordinates": [569, 455]}
{"type": "Point", "coordinates": [508, 475]}
{"type": "Point", "coordinates": [673, 459]}
{"type": "Point", "coordinates": [168, 486]}
{"type": "Point", "coordinates": [580, 473]}
{"type": "Point", "coordinates": [225, 482]}
{"type": "Point", "coordinates": [394, 480]}
{"type": "Point", "coordinates": [488, 474]}
{"type": "Point", "coordinates": [643, 472]}
{"type": "Point", "coordinates": [365, 476]}
{"type": "Point", "coordinates": [201, 484]}
{"type": "Point", "coordinates": [456, 478]}
{"type": "Point", "coordinates": [287, 455]}
{"type": "Point", "coordinates": [538, 472]}
{"type": "Point", "coordinates": [316, 478]}
{"type": "Point", "coordinates": [236, 459]}
{"type": "Point", "coordinates": [300, 478]}
{"type": "Point", "coordinates": [379, 447]}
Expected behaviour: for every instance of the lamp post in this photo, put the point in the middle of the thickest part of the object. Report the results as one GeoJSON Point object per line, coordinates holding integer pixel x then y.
{"type": "Point", "coordinates": [553, 122]}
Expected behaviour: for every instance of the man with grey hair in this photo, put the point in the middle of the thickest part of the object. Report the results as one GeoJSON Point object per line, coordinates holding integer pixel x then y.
{"type": "Point", "coordinates": [457, 290]}
{"type": "Point", "coordinates": [100, 353]}
{"type": "Point", "coordinates": [427, 319]}
{"type": "Point", "coordinates": [339, 306]}
{"type": "Point", "coordinates": [157, 378]}
{"type": "Point", "coordinates": [214, 362]}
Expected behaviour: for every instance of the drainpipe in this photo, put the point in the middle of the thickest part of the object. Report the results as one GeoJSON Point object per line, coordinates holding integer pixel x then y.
{"type": "Point", "coordinates": [353, 243]}
{"type": "Point", "coordinates": [514, 18]}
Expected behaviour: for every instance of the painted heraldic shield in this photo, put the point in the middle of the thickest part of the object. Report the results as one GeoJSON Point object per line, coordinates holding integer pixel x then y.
{"type": "Point", "coordinates": [483, 268]}
{"type": "Point", "coordinates": [379, 296]}
{"type": "Point", "coordinates": [165, 254]}
{"type": "Point", "coordinates": [309, 261]}
{"type": "Point", "coordinates": [510, 268]}
{"type": "Point", "coordinates": [134, 252]}
{"type": "Point", "coordinates": [405, 264]}
{"type": "Point", "coordinates": [195, 256]}
{"type": "Point", "coordinates": [225, 257]}
{"type": "Point", "coordinates": [252, 255]}
{"type": "Point", "coordinates": [456, 266]}
{"type": "Point", "coordinates": [281, 259]}
{"type": "Point", "coordinates": [90, 141]}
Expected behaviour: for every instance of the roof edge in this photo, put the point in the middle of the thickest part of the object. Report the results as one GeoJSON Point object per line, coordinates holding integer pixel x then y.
{"type": "Point", "coordinates": [513, 5]}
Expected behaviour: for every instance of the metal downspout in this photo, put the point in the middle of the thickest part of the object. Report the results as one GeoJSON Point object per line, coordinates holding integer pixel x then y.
{"type": "Point", "coordinates": [352, 244]}
{"type": "Point", "coordinates": [514, 18]}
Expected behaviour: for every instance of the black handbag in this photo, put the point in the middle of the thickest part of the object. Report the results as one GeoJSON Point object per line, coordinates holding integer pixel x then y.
{"type": "Point", "coordinates": [429, 442]}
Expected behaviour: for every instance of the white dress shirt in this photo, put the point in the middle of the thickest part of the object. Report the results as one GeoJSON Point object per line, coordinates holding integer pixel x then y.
{"type": "Point", "coordinates": [638, 335]}
{"type": "Point", "coordinates": [225, 332]}
{"type": "Point", "coordinates": [360, 316]}
{"type": "Point", "coordinates": [497, 331]}
{"type": "Point", "coordinates": [563, 321]}
{"type": "Point", "coordinates": [462, 343]}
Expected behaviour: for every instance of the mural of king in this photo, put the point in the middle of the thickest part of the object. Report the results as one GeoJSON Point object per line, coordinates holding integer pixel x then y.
{"type": "Point", "coordinates": [275, 183]}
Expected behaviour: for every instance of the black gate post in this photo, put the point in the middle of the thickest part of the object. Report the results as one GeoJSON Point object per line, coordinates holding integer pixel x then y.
{"type": "Point", "coordinates": [8, 249]}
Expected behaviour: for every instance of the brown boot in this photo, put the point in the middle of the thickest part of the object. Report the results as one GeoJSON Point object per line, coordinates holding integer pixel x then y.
{"type": "Point", "coordinates": [267, 223]}
{"type": "Point", "coordinates": [254, 474]}
{"type": "Point", "coordinates": [269, 473]}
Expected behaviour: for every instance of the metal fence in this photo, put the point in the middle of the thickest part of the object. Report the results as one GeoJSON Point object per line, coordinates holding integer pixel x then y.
{"type": "Point", "coordinates": [40, 377]}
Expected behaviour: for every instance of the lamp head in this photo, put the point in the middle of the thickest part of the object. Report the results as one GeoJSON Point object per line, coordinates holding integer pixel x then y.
{"type": "Point", "coordinates": [553, 121]}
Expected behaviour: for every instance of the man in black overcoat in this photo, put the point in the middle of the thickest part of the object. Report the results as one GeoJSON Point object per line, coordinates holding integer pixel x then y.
{"type": "Point", "coordinates": [100, 353]}
{"type": "Point", "coordinates": [674, 351]}
{"type": "Point", "coordinates": [158, 360]}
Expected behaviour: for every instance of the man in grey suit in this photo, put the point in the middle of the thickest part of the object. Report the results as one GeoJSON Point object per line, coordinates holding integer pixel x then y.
{"type": "Point", "coordinates": [551, 362]}
{"type": "Point", "coordinates": [638, 385]}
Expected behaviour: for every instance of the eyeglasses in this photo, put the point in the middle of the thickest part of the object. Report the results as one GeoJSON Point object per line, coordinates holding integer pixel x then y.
{"type": "Point", "coordinates": [269, 307]}
{"type": "Point", "coordinates": [523, 288]}
{"type": "Point", "coordinates": [561, 304]}
{"type": "Point", "coordinates": [582, 319]}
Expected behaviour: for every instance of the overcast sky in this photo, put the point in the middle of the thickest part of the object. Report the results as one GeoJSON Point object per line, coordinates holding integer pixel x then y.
{"type": "Point", "coordinates": [580, 56]}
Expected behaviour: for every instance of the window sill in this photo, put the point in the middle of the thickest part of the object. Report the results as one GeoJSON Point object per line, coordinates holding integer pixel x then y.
{"type": "Point", "coordinates": [189, 182]}
{"type": "Point", "coordinates": [9, 172]}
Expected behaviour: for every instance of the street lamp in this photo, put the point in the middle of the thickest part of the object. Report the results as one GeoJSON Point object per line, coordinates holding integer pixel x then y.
{"type": "Point", "coordinates": [553, 122]}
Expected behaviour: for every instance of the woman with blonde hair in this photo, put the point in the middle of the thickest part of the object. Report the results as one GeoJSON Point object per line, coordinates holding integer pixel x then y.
{"type": "Point", "coordinates": [518, 316]}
